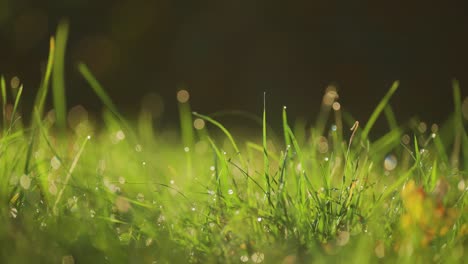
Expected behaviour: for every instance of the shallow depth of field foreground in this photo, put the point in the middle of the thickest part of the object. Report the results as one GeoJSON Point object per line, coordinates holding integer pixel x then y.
{"type": "Point", "coordinates": [109, 190]}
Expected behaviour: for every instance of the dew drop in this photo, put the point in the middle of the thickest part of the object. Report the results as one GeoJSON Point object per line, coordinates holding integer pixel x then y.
{"type": "Point", "coordinates": [257, 257]}
{"type": "Point", "coordinates": [121, 180]}
{"type": "Point", "coordinates": [230, 191]}
{"type": "Point", "coordinates": [461, 185]}
{"type": "Point", "coordinates": [13, 212]}
{"type": "Point", "coordinates": [25, 181]}
{"type": "Point", "coordinates": [140, 197]}
{"type": "Point", "coordinates": [55, 163]}
{"type": "Point", "coordinates": [120, 135]}
{"type": "Point", "coordinates": [138, 148]}
{"type": "Point", "coordinates": [390, 162]}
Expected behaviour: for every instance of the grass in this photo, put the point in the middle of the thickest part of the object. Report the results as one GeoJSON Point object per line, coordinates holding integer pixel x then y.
{"type": "Point", "coordinates": [127, 193]}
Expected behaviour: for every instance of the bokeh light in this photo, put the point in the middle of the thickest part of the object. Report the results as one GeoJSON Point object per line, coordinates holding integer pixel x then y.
{"type": "Point", "coordinates": [15, 82]}
{"type": "Point", "coordinates": [390, 162]}
{"type": "Point", "coordinates": [199, 123]}
{"type": "Point", "coordinates": [183, 96]}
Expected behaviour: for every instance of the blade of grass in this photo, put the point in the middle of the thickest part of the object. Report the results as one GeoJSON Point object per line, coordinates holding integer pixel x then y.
{"type": "Point", "coordinates": [266, 164]}
{"type": "Point", "coordinates": [224, 130]}
{"type": "Point", "coordinates": [287, 139]}
{"type": "Point", "coordinates": [391, 119]}
{"type": "Point", "coordinates": [186, 128]}
{"type": "Point", "coordinates": [68, 176]}
{"type": "Point", "coordinates": [15, 106]}
{"type": "Point", "coordinates": [380, 107]}
{"type": "Point", "coordinates": [97, 88]}
{"type": "Point", "coordinates": [58, 76]}
{"type": "Point", "coordinates": [44, 87]}
{"type": "Point", "coordinates": [4, 102]}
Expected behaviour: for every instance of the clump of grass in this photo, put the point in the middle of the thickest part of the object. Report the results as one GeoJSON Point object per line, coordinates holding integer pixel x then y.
{"type": "Point", "coordinates": [126, 193]}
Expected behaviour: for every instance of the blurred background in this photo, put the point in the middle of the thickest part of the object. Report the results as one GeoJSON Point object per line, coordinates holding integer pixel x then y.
{"type": "Point", "coordinates": [227, 53]}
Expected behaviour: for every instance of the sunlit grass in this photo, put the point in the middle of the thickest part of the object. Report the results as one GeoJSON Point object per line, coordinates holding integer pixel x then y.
{"type": "Point", "coordinates": [126, 192]}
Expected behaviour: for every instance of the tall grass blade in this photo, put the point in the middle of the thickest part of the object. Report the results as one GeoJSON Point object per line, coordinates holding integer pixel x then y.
{"type": "Point", "coordinates": [380, 107]}
{"type": "Point", "coordinates": [224, 130]}
{"type": "Point", "coordinates": [58, 76]}
{"type": "Point", "coordinates": [69, 174]}
{"type": "Point", "coordinates": [4, 102]}
{"type": "Point", "coordinates": [44, 87]}
{"type": "Point", "coordinates": [266, 165]}
{"type": "Point", "coordinates": [97, 88]}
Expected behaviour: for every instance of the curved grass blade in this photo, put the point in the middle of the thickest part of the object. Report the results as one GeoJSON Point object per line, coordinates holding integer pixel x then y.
{"type": "Point", "coordinates": [380, 107]}
{"type": "Point", "coordinates": [44, 88]}
{"type": "Point", "coordinates": [58, 76]}
{"type": "Point", "coordinates": [224, 130]}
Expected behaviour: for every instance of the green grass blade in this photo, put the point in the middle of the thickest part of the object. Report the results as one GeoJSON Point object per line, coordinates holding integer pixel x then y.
{"type": "Point", "coordinates": [224, 130]}
{"type": "Point", "coordinates": [44, 88]}
{"type": "Point", "coordinates": [287, 139]}
{"type": "Point", "coordinates": [58, 76]}
{"type": "Point", "coordinates": [266, 164]}
{"type": "Point", "coordinates": [97, 88]}
{"type": "Point", "coordinates": [15, 106]}
{"type": "Point", "coordinates": [380, 107]}
{"type": "Point", "coordinates": [69, 174]}
{"type": "Point", "coordinates": [391, 119]}
{"type": "Point", "coordinates": [4, 102]}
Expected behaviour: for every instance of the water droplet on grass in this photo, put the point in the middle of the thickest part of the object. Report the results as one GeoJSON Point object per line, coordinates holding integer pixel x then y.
{"type": "Point", "coordinates": [259, 219]}
{"type": "Point", "coordinates": [199, 123]}
{"type": "Point", "coordinates": [257, 257]}
{"type": "Point", "coordinates": [140, 197]}
{"type": "Point", "coordinates": [186, 149]}
{"type": "Point", "coordinates": [172, 181]}
{"type": "Point", "coordinates": [230, 191]}
{"type": "Point", "coordinates": [461, 185]}
{"type": "Point", "coordinates": [380, 249]}
{"type": "Point", "coordinates": [183, 96]}
{"type": "Point", "coordinates": [212, 168]}
{"type": "Point", "coordinates": [13, 212]}
{"type": "Point", "coordinates": [121, 180]}
{"type": "Point", "coordinates": [120, 135]}
{"type": "Point", "coordinates": [390, 162]}
{"type": "Point", "coordinates": [55, 163]}
{"type": "Point", "coordinates": [25, 181]}
{"type": "Point", "coordinates": [148, 242]}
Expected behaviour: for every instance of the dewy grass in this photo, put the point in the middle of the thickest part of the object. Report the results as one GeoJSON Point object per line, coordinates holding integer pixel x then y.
{"type": "Point", "coordinates": [130, 193]}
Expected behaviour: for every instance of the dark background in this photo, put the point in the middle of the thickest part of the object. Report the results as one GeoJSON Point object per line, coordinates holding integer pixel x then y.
{"type": "Point", "coordinates": [227, 53]}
